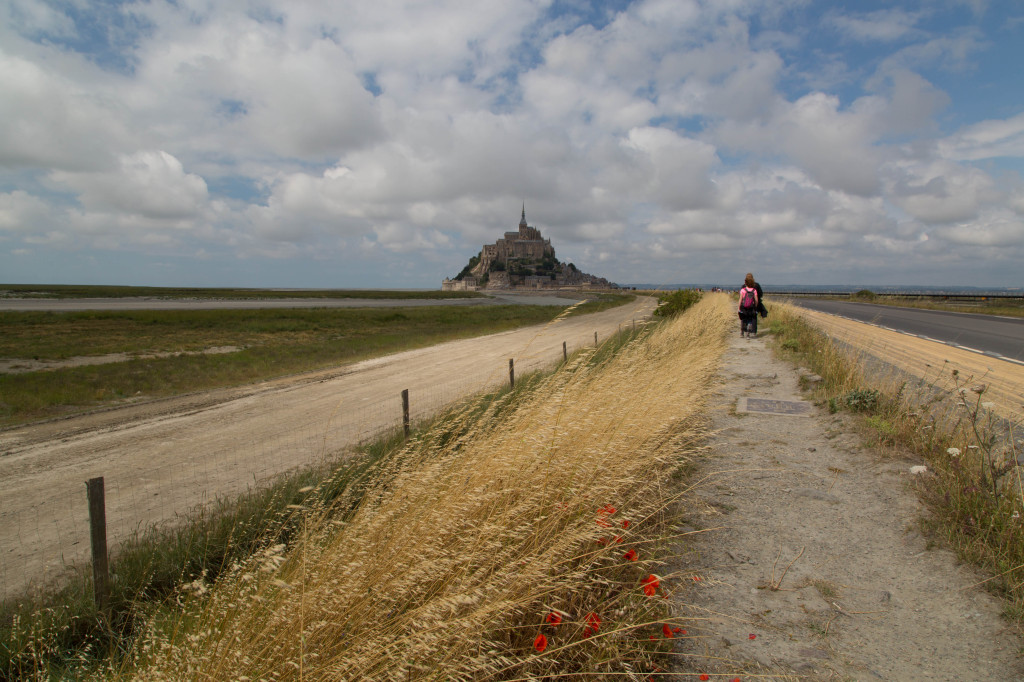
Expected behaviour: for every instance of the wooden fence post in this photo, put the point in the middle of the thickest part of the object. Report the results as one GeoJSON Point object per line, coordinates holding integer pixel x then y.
{"type": "Point", "coordinates": [595, 338]}
{"type": "Point", "coordinates": [511, 374]}
{"type": "Point", "coordinates": [405, 412]}
{"type": "Point", "coordinates": [98, 536]}
{"type": "Point", "coordinates": [565, 353]}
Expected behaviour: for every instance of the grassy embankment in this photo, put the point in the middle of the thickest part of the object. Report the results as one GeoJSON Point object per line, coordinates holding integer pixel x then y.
{"type": "Point", "coordinates": [974, 490]}
{"type": "Point", "coordinates": [447, 557]}
{"type": "Point", "coordinates": [270, 343]}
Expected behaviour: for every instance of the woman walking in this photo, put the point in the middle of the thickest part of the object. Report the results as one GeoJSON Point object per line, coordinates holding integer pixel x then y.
{"type": "Point", "coordinates": [748, 307]}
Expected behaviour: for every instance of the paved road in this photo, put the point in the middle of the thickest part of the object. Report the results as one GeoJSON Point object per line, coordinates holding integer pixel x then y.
{"type": "Point", "coordinates": [1001, 337]}
{"type": "Point", "coordinates": [143, 303]}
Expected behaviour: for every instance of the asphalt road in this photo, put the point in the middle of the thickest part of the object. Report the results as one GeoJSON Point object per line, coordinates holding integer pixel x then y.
{"type": "Point", "coordinates": [1001, 337]}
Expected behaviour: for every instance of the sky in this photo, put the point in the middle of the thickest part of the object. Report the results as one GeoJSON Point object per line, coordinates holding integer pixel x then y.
{"type": "Point", "coordinates": [380, 144]}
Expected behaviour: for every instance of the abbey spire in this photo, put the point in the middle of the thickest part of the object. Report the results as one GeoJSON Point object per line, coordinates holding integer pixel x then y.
{"type": "Point", "coordinates": [520, 260]}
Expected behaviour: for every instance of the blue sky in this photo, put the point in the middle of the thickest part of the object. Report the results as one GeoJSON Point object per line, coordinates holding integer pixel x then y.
{"type": "Point", "coordinates": [380, 144]}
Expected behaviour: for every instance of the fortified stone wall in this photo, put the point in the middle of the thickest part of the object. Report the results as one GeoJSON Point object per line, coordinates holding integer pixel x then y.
{"type": "Point", "coordinates": [465, 284]}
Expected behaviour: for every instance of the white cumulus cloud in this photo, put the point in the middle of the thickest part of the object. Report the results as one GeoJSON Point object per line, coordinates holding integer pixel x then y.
{"type": "Point", "coordinates": [152, 184]}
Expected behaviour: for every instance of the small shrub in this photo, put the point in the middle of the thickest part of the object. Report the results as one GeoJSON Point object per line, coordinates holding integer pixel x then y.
{"type": "Point", "coordinates": [885, 429]}
{"type": "Point", "coordinates": [863, 295]}
{"type": "Point", "coordinates": [673, 303]}
{"type": "Point", "coordinates": [861, 400]}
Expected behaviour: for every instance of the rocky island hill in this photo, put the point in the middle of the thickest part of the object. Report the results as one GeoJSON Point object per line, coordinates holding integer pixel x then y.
{"type": "Point", "coordinates": [521, 260]}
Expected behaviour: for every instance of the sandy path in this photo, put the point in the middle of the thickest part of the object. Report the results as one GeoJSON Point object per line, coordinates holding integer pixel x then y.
{"type": "Point", "coordinates": [163, 459]}
{"type": "Point", "coordinates": [864, 597]}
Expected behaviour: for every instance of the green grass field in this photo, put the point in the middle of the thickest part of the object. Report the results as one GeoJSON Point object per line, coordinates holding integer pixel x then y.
{"type": "Point", "coordinates": [270, 343]}
{"type": "Point", "coordinates": [99, 291]}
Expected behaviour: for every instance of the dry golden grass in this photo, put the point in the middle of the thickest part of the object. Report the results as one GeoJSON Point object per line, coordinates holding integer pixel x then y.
{"type": "Point", "coordinates": [477, 532]}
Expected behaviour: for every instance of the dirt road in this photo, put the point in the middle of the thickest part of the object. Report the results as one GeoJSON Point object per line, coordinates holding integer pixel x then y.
{"type": "Point", "coordinates": [165, 458]}
{"type": "Point", "coordinates": [814, 568]}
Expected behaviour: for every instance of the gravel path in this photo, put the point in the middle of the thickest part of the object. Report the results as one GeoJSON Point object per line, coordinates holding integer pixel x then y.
{"type": "Point", "coordinates": [815, 568]}
{"type": "Point", "coordinates": [163, 459]}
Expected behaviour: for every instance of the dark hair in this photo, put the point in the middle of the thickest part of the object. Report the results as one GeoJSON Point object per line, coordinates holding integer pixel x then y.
{"type": "Point", "coordinates": [748, 280]}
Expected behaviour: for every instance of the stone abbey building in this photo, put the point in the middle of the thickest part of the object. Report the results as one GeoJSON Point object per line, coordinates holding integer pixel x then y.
{"type": "Point", "coordinates": [521, 260]}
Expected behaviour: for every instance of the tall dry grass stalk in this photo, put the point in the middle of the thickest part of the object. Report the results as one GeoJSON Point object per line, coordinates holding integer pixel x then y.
{"type": "Point", "coordinates": [475, 533]}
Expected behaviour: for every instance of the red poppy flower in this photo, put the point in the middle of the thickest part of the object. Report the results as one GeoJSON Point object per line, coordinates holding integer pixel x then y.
{"type": "Point", "coordinates": [704, 676]}
{"type": "Point", "coordinates": [540, 644]}
{"type": "Point", "coordinates": [651, 584]}
{"type": "Point", "coordinates": [751, 636]}
{"type": "Point", "coordinates": [602, 541]}
{"type": "Point", "coordinates": [554, 618]}
{"type": "Point", "coordinates": [603, 523]}
{"type": "Point", "coordinates": [608, 509]}
{"type": "Point", "coordinates": [679, 631]}
{"type": "Point", "coordinates": [587, 632]}
{"type": "Point", "coordinates": [625, 523]}
{"type": "Point", "coordinates": [667, 631]}
{"type": "Point", "coordinates": [736, 679]}
{"type": "Point", "coordinates": [631, 555]}
{"type": "Point", "coordinates": [618, 539]}
{"type": "Point", "coordinates": [593, 621]}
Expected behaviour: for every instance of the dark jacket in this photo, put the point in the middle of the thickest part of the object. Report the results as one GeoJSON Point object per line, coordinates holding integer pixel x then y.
{"type": "Point", "coordinates": [760, 300]}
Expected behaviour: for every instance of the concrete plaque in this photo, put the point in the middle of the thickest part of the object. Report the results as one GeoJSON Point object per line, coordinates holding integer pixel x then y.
{"type": "Point", "coordinates": [787, 408]}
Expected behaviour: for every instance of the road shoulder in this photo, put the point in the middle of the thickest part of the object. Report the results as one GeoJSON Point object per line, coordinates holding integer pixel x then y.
{"type": "Point", "coordinates": [816, 568]}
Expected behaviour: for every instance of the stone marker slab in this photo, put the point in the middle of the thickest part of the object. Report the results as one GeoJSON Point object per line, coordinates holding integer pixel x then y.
{"type": "Point", "coordinates": [786, 408]}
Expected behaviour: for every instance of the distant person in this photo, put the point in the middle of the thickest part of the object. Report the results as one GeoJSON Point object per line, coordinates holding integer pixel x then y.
{"type": "Point", "coordinates": [749, 300]}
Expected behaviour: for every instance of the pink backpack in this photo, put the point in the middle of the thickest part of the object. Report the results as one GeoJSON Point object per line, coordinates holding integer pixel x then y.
{"type": "Point", "coordinates": [748, 299]}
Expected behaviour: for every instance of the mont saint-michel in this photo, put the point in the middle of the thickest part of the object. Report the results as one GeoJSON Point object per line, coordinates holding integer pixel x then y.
{"type": "Point", "coordinates": [521, 260]}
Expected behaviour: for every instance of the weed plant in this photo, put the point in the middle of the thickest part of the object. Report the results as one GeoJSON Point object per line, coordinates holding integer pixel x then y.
{"type": "Point", "coordinates": [973, 486]}
{"type": "Point", "coordinates": [518, 538]}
